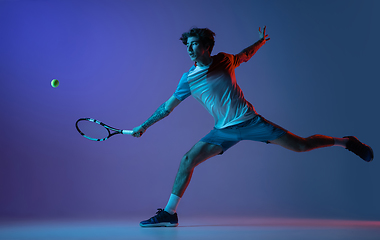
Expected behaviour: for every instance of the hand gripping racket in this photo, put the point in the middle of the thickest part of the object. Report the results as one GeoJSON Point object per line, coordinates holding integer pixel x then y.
{"type": "Point", "coordinates": [97, 131]}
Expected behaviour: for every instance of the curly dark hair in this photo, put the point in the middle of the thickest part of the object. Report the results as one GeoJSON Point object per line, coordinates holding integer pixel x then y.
{"type": "Point", "coordinates": [205, 35]}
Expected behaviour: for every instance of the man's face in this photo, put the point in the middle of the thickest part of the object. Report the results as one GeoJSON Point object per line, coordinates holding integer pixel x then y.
{"type": "Point", "coordinates": [196, 49]}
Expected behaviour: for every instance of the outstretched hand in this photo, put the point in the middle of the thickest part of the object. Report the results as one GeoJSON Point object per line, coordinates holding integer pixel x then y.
{"type": "Point", "coordinates": [138, 131]}
{"type": "Point", "coordinates": [262, 34]}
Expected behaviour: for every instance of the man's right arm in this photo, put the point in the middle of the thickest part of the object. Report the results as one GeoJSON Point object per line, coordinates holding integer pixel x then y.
{"type": "Point", "coordinates": [162, 111]}
{"type": "Point", "coordinates": [247, 53]}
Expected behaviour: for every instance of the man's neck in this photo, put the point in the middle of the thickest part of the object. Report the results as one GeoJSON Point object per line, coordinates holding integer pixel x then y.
{"type": "Point", "coordinates": [205, 61]}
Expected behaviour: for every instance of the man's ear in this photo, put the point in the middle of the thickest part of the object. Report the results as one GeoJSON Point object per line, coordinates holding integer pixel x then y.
{"type": "Point", "coordinates": [208, 48]}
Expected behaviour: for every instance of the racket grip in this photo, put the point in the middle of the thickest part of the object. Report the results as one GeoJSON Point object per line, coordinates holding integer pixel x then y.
{"type": "Point", "coordinates": [129, 132]}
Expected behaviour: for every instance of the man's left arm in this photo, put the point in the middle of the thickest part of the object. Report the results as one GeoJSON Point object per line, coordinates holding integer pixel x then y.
{"type": "Point", "coordinates": [247, 53]}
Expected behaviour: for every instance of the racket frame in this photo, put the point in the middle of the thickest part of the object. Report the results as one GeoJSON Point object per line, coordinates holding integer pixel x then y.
{"type": "Point", "coordinates": [108, 128]}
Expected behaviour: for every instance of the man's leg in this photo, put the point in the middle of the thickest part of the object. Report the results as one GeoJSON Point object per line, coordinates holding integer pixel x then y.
{"type": "Point", "coordinates": [299, 144]}
{"type": "Point", "coordinates": [199, 153]}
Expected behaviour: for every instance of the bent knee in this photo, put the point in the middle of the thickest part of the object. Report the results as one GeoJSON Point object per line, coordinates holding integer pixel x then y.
{"type": "Point", "coordinates": [187, 162]}
{"type": "Point", "coordinates": [302, 146]}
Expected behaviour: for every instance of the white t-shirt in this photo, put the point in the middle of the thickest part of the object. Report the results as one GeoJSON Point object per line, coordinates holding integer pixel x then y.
{"type": "Point", "coordinates": [215, 87]}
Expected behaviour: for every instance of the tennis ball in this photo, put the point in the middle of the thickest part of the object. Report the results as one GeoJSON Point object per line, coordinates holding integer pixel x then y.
{"type": "Point", "coordinates": [54, 83]}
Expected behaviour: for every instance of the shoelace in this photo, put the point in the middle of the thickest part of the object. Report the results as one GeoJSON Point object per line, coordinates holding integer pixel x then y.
{"type": "Point", "coordinates": [159, 211]}
{"type": "Point", "coordinates": [159, 215]}
{"type": "Point", "coordinates": [356, 148]}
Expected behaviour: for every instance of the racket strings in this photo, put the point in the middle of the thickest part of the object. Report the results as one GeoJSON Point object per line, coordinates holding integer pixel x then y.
{"type": "Point", "coordinates": [92, 130]}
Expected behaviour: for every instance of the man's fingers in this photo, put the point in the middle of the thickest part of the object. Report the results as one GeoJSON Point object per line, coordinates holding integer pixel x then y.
{"type": "Point", "coordinates": [137, 134]}
{"type": "Point", "coordinates": [263, 33]}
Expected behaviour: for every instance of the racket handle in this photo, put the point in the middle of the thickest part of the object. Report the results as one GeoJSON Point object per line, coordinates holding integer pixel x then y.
{"type": "Point", "coordinates": [129, 132]}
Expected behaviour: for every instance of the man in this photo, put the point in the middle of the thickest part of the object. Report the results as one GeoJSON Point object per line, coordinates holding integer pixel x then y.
{"type": "Point", "coordinates": [212, 82]}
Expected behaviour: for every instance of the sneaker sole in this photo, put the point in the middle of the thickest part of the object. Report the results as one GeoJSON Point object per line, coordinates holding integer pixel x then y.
{"type": "Point", "coordinates": [370, 149]}
{"type": "Point", "coordinates": [163, 224]}
{"type": "Point", "coordinates": [371, 157]}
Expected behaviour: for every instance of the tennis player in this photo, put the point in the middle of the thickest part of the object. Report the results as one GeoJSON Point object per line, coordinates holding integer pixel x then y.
{"type": "Point", "coordinates": [211, 80]}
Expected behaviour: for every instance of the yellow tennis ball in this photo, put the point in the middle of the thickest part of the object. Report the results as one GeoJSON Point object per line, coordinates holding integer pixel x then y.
{"type": "Point", "coordinates": [54, 83]}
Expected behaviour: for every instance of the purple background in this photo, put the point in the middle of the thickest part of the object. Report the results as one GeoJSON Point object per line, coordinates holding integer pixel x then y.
{"type": "Point", "coordinates": [117, 61]}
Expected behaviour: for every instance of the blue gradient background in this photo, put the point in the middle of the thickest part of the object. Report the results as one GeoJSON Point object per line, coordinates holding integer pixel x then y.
{"type": "Point", "coordinates": [117, 61]}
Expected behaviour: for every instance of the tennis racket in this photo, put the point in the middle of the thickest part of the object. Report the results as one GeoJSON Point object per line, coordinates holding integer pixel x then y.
{"type": "Point", "coordinates": [97, 131]}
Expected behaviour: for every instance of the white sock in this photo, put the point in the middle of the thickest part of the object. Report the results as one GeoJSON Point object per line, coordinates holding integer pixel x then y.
{"type": "Point", "coordinates": [340, 142]}
{"type": "Point", "coordinates": [172, 204]}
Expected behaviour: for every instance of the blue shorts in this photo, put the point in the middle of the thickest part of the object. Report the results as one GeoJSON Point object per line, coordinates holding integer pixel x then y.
{"type": "Point", "coordinates": [255, 129]}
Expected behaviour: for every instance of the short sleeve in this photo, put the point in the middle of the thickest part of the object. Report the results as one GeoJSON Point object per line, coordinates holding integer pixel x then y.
{"type": "Point", "coordinates": [183, 88]}
{"type": "Point", "coordinates": [236, 60]}
{"type": "Point", "coordinates": [230, 59]}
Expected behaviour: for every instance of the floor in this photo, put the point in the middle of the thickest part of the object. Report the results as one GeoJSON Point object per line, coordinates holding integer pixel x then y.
{"type": "Point", "coordinates": [205, 228]}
